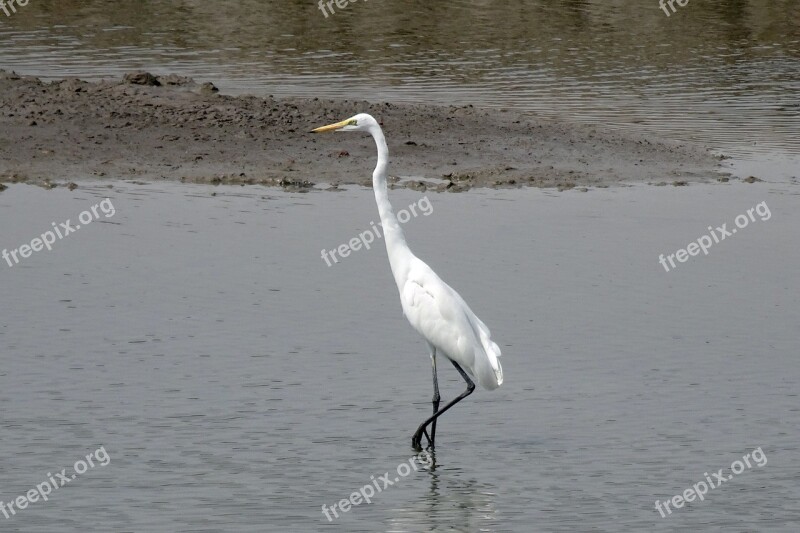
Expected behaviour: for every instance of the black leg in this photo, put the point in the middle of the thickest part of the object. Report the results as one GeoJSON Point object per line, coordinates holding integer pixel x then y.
{"type": "Point", "coordinates": [417, 438]}
{"type": "Point", "coordinates": [436, 397]}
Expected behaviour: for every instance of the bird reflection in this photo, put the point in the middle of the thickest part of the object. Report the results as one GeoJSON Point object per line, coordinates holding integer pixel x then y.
{"type": "Point", "coordinates": [449, 502]}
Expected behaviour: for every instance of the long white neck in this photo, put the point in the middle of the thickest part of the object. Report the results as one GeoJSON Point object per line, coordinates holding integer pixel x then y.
{"type": "Point", "coordinates": [399, 253]}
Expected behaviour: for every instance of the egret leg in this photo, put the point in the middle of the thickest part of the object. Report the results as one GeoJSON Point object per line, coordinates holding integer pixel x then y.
{"type": "Point", "coordinates": [436, 397]}
{"type": "Point", "coordinates": [415, 440]}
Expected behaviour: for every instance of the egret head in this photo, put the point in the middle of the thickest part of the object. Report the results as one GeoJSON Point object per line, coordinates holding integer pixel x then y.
{"type": "Point", "coordinates": [360, 122]}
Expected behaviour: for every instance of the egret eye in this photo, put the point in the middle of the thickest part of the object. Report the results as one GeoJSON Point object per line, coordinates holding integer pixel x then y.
{"type": "Point", "coordinates": [353, 122]}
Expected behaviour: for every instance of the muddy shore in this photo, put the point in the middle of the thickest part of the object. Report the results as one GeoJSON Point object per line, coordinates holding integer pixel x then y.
{"type": "Point", "coordinates": [147, 127]}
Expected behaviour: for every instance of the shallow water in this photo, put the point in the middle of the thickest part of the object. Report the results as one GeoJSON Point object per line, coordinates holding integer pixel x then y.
{"type": "Point", "coordinates": [238, 383]}
{"type": "Point", "coordinates": [720, 72]}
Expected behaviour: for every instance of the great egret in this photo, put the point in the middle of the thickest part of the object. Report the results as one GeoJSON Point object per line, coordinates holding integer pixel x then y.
{"type": "Point", "coordinates": [433, 308]}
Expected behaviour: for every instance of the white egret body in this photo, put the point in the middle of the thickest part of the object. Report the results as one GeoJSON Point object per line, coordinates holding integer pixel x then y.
{"type": "Point", "coordinates": [433, 308]}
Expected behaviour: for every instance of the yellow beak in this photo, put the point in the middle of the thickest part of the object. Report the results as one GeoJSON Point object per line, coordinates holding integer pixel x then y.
{"type": "Point", "coordinates": [330, 127]}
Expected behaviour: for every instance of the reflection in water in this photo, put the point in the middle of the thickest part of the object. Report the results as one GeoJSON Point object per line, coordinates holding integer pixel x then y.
{"type": "Point", "coordinates": [724, 72]}
{"type": "Point", "coordinates": [451, 503]}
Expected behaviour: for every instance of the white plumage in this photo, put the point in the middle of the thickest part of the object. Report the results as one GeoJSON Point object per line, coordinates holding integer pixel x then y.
{"type": "Point", "coordinates": [444, 319]}
{"type": "Point", "coordinates": [433, 308]}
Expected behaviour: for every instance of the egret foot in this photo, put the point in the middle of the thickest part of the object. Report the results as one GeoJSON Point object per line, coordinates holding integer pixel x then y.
{"type": "Point", "coordinates": [416, 439]}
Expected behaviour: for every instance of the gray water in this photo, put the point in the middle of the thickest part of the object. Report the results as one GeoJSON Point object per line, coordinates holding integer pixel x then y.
{"type": "Point", "coordinates": [723, 73]}
{"type": "Point", "coordinates": [238, 383]}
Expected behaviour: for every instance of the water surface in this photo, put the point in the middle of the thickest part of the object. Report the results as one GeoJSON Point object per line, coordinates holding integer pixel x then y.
{"type": "Point", "coordinates": [238, 383]}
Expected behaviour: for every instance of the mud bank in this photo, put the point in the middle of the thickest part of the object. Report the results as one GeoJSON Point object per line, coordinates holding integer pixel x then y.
{"type": "Point", "coordinates": [147, 127]}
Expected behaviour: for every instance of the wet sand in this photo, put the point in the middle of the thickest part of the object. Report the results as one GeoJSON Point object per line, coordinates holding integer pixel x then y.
{"type": "Point", "coordinates": [147, 127]}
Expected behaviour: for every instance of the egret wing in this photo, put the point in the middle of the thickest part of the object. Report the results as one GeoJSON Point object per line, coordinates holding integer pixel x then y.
{"type": "Point", "coordinates": [445, 320]}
